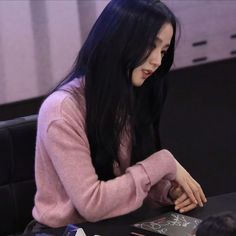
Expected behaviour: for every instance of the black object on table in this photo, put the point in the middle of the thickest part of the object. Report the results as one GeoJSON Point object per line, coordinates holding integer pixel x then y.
{"type": "Point", "coordinates": [120, 226]}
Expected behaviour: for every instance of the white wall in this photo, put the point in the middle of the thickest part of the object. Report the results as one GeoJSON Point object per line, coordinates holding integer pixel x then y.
{"type": "Point", "coordinates": [39, 40]}
{"type": "Point", "coordinates": [204, 20]}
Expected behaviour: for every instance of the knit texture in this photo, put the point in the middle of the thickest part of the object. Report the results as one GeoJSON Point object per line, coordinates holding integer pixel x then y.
{"type": "Point", "coordinates": [68, 189]}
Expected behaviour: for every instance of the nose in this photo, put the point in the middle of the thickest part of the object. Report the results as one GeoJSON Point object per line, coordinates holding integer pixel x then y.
{"type": "Point", "coordinates": [155, 59]}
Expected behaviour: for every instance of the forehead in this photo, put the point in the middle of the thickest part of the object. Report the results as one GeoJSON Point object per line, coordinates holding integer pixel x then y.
{"type": "Point", "coordinates": [165, 34]}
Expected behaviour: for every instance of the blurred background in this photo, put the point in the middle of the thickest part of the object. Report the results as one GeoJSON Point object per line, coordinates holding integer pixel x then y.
{"type": "Point", "coordinates": [40, 39]}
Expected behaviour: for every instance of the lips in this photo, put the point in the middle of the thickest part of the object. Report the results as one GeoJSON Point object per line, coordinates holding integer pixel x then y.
{"type": "Point", "coordinates": [146, 73]}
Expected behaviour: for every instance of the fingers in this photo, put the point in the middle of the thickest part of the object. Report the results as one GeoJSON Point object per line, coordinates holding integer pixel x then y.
{"type": "Point", "coordinates": [182, 198]}
{"type": "Point", "coordinates": [201, 193]}
{"type": "Point", "coordinates": [184, 204]}
{"type": "Point", "coordinates": [190, 192]}
{"type": "Point", "coordinates": [185, 181]}
{"type": "Point", "coordinates": [190, 186]}
{"type": "Point", "coordinates": [197, 192]}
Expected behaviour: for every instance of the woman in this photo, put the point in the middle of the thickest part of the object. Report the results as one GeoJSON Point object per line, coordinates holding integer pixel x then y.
{"type": "Point", "coordinates": [98, 154]}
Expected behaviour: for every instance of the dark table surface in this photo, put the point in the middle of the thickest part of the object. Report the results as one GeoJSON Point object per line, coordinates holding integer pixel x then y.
{"type": "Point", "coordinates": [120, 226]}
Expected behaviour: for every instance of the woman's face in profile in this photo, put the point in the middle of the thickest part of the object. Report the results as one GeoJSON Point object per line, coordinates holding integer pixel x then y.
{"type": "Point", "coordinates": [152, 63]}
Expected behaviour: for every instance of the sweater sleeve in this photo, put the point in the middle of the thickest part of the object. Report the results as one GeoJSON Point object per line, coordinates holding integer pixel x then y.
{"type": "Point", "coordinates": [94, 199]}
{"type": "Point", "coordinates": [61, 131]}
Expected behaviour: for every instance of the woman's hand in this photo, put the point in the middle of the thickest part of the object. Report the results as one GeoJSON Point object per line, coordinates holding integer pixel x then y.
{"type": "Point", "coordinates": [191, 188]}
{"type": "Point", "coordinates": [182, 202]}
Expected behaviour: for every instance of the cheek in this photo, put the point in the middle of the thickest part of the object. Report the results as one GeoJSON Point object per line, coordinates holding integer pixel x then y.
{"type": "Point", "coordinates": [134, 74]}
{"type": "Point", "coordinates": [137, 70]}
{"type": "Point", "coordinates": [137, 78]}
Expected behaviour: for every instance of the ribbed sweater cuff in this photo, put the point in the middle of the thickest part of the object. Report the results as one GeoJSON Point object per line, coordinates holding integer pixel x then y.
{"type": "Point", "coordinates": [160, 165]}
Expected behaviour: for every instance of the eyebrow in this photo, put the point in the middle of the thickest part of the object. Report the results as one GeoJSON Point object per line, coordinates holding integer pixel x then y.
{"type": "Point", "coordinates": [160, 40]}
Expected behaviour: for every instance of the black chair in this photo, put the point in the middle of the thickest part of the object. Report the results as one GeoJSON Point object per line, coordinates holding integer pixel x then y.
{"type": "Point", "coordinates": [17, 184]}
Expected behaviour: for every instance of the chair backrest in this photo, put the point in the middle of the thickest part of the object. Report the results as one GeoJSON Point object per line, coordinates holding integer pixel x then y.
{"type": "Point", "coordinates": [17, 183]}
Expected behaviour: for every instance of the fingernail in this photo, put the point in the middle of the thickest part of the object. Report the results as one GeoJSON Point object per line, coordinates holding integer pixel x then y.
{"type": "Point", "coordinates": [176, 208]}
{"type": "Point", "coordinates": [181, 211]}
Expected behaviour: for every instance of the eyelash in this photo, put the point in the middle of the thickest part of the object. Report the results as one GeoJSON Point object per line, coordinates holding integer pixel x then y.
{"type": "Point", "coordinates": [153, 46]}
{"type": "Point", "coordinates": [163, 53]}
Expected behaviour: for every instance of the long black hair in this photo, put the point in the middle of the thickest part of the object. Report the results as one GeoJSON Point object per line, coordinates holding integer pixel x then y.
{"type": "Point", "coordinates": [120, 40]}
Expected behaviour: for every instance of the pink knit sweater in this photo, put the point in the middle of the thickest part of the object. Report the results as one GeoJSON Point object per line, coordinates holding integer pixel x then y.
{"type": "Point", "coordinates": [68, 189]}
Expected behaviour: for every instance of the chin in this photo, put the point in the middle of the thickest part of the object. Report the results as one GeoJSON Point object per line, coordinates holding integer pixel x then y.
{"type": "Point", "coordinates": [138, 83]}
